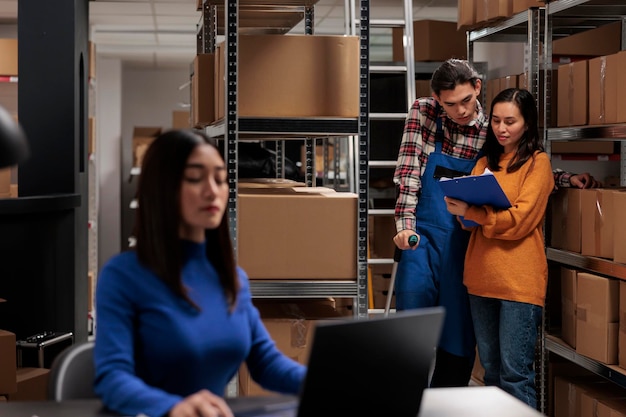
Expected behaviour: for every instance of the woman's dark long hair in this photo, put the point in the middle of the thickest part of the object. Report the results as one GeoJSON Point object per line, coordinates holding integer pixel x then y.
{"type": "Point", "coordinates": [530, 141]}
{"type": "Point", "coordinates": [158, 216]}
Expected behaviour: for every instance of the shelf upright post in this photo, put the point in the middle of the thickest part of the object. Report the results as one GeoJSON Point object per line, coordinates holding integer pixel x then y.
{"type": "Point", "coordinates": [231, 122]}
{"type": "Point", "coordinates": [363, 158]}
{"type": "Point", "coordinates": [309, 143]}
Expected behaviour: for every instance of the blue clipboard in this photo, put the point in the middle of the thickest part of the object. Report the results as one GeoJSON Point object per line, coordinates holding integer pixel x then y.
{"type": "Point", "coordinates": [476, 190]}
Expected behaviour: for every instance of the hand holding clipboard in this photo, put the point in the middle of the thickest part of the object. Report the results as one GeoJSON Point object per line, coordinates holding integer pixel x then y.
{"type": "Point", "coordinates": [475, 190]}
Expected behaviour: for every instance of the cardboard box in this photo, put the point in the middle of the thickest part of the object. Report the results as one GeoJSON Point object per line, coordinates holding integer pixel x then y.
{"type": "Point", "coordinates": [203, 104]}
{"type": "Point", "coordinates": [8, 56]}
{"type": "Point", "coordinates": [568, 305]}
{"type": "Point", "coordinates": [8, 361]}
{"type": "Point", "coordinates": [493, 10]}
{"type": "Point", "coordinates": [604, 72]}
{"type": "Point", "coordinates": [181, 119]}
{"type": "Point", "coordinates": [523, 5]}
{"type": "Point", "coordinates": [621, 342]}
{"type": "Point", "coordinates": [142, 138]}
{"type": "Point", "coordinates": [619, 226]}
{"type": "Point", "coordinates": [434, 40]}
{"type": "Point", "coordinates": [297, 233]}
{"type": "Point", "coordinates": [583, 146]}
{"type": "Point", "coordinates": [422, 88]}
{"type": "Point", "coordinates": [603, 40]}
{"type": "Point", "coordinates": [293, 76]}
{"type": "Point", "coordinates": [572, 94]}
{"type": "Point", "coordinates": [466, 14]}
{"type": "Point", "coordinates": [597, 227]}
{"type": "Point", "coordinates": [32, 385]}
{"type": "Point", "coordinates": [380, 280]}
{"type": "Point", "coordinates": [566, 219]}
{"type": "Point", "coordinates": [291, 324]}
{"type": "Point", "coordinates": [597, 317]}
{"type": "Point", "coordinates": [382, 230]}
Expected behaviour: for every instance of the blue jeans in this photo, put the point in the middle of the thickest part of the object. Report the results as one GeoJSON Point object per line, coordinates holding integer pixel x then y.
{"type": "Point", "coordinates": [506, 335]}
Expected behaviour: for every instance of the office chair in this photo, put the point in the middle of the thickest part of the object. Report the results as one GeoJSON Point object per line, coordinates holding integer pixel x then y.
{"type": "Point", "coordinates": [72, 373]}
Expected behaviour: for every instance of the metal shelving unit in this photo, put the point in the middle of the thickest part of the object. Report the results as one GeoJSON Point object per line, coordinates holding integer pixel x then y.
{"type": "Point", "coordinates": [234, 128]}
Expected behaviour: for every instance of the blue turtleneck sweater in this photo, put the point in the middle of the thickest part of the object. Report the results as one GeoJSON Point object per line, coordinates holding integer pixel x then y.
{"type": "Point", "coordinates": [153, 348]}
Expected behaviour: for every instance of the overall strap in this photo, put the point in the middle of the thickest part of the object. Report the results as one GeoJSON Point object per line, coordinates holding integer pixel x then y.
{"type": "Point", "coordinates": [439, 132]}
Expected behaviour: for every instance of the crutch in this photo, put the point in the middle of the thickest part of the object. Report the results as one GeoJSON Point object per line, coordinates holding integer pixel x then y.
{"type": "Point", "coordinates": [397, 255]}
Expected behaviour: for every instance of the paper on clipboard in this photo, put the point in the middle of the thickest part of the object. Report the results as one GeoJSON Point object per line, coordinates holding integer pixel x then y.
{"type": "Point", "coordinates": [476, 190]}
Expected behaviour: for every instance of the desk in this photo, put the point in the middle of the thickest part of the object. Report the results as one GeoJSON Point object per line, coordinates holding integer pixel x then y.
{"type": "Point", "coordinates": [472, 402]}
{"type": "Point", "coordinates": [437, 402]}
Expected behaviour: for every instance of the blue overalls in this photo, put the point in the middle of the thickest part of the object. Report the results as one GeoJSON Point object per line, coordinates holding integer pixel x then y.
{"type": "Point", "coordinates": [432, 274]}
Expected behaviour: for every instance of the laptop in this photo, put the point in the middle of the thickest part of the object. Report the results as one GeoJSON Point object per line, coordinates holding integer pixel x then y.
{"type": "Point", "coordinates": [360, 367]}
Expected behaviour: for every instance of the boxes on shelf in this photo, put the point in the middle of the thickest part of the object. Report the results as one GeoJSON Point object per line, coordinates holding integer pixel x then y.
{"type": "Point", "coordinates": [142, 138]}
{"type": "Point", "coordinates": [8, 52]}
{"type": "Point", "coordinates": [291, 324]}
{"type": "Point", "coordinates": [203, 90]}
{"type": "Point", "coordinates": [434, 40]}
{"type": "Point", "coordinates": [491, 11]}
{"type": "Point", "coordinates": [597, 229]}
{"type": "Point", "coordinates": [181, 119]}
{"type": "Point", "coordinates": [381, 277]}
{"type": "Point", "coordinates": [39, 351]}
{"type": "Point", "coordinates": [293, 76]}
{"type": "Point", "coordinates": [603, 40]}
{"type": "Point", "coordinates": [572, 96]}
{"type": "Point", "coordinates": [583, 146]}
{"type": "Point", "coordinates": [619, 227]}
{"type": "Point", "coordinates": [297, 233]}
{"type": "Point", "coordinates": [597, 317]}
{"type": "Point", "coordinates": [568, 305]}
{"type": "Point", "coordinates": [566, 219]}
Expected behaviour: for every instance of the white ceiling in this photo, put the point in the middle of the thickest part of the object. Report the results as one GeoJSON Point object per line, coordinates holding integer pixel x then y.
{"type": "Point", "coordinates": [162, 33]}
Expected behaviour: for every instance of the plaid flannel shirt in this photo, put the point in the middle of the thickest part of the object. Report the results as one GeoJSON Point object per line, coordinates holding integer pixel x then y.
{"type": "Point", "coordinates": [418, 141]}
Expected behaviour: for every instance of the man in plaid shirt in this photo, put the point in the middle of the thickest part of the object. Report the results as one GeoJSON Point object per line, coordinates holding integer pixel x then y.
{"type": "Point", "coordinates": [443, 136]}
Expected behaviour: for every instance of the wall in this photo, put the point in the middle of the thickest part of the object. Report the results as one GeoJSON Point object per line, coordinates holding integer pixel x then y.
{"type": "Point", "coordinates": [149, 97]}
{"type": "Point", "coordinates": [108, 150]}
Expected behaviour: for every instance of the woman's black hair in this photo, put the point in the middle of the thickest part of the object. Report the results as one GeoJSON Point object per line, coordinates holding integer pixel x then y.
{"type": "Point", "coordinates": [158, 216]}
{"type": "Point", "coordinates": [451, 73]}
{"type": "Point", "coordinates": [530, 141]}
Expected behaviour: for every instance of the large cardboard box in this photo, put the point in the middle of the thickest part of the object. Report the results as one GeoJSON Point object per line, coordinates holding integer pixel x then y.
{"type": "Point", "coordinates": [203, 98]}
{"type": "Point", "coordinates": [466, 15]}
{"type": "Point", "coordinates": [566, 219]}
{"type": "Point", "coordinates": [297, 233]}
{"type": "Point", "coordinates": [433, 40]}
{"type": "Point", "coordinates": [568, 306]}
{"type": "Point", "coordinates": [603, 40]}
{"type": "Point", "coordinates": [597, 227]}
{"type": "Point", "coordinates": [293, 76]}
{"type": "Point", "coordinates": [291, 324]}
{"type": "Point", "coordinates": [619, 227]}
{"type": "Point", "coordinates": [522, 5]}
{"type": "Point", "coordinates": [92, 60]}
{"type": "Point", "coordinates": [597, 317]}
{"type": "Point", "coordinates": [8, 362]}
{"type": "Point", "coordinates": [572, 95]}
{"type": "Point", "coordinates": [8, 56]}
{"type": "Point", "coordinates": [142, 138]}
{"type": "Point", "coordinates": [493, 10]}
{"type": "Point", "coordinates": [181, 119]}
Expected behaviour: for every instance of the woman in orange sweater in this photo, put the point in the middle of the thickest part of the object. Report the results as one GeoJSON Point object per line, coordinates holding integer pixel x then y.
{"type": "Point", "coordinates": [506, 270]}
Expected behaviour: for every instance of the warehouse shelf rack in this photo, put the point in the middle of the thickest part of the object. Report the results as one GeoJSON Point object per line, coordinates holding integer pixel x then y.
{"type": "Point", "coordinates": [559, 19]}
{"type": "Point", "coordinates": [234, 128]}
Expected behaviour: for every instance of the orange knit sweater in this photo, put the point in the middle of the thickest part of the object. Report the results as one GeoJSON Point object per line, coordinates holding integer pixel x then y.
{"type": "Point", "coordinates": [506, 256]}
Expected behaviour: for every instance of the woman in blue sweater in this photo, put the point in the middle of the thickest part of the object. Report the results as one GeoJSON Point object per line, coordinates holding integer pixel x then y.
{"type": "Point", "coordinates": [175, 319]}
